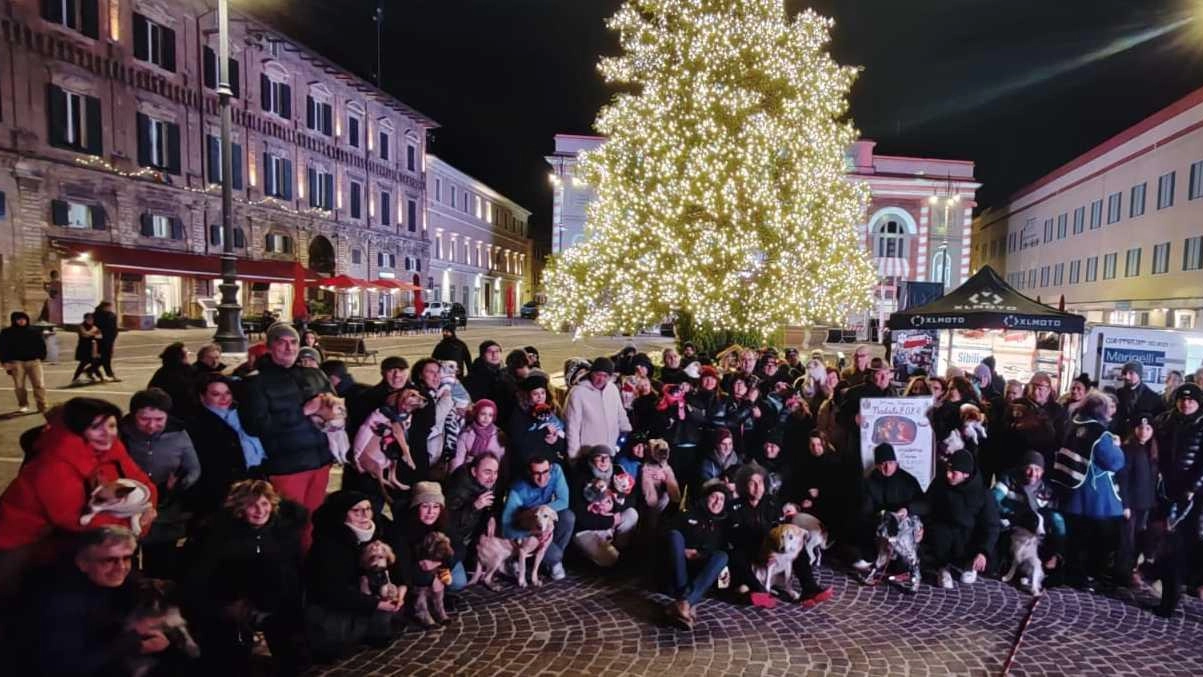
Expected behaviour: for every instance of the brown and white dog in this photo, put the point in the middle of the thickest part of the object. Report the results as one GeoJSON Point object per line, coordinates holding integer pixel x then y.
{"type": "Point", "coordinates": [776, 566]}
{"type": "Point", "coordinates": [375, 453]}
{"type": "Point", "coordinates": [152, 600]}
{"type": "Point", "coordinates": [816, 536]}
{"type": "Point", "coordinates": [374, 561]}
{"type": "Point", "coordinates": [121, 497]}
{"type": "Point", "coordinates": [492, 552]}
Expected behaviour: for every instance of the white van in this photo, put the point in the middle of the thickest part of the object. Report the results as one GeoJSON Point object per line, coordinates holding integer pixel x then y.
{"type": "Point", "coordinates": [1106, 347]}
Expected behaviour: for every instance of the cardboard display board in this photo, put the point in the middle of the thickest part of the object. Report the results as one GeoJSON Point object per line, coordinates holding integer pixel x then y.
{"type": "Point", "coordinates": [903, 422]}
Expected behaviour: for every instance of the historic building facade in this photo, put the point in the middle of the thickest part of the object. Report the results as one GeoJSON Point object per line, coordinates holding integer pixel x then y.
{"type": "Point", "coordinates": [110, 164]}
{"type": "Point", "coordinates": [481, 253]}
{"type": "Point", "coordinates": [917, 225]}
{"type": "Point", "coordinates": [1138, 195]}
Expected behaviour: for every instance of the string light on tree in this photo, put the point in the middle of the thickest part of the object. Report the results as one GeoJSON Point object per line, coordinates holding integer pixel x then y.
{"type": "Point", "coordinates": [721, 187]}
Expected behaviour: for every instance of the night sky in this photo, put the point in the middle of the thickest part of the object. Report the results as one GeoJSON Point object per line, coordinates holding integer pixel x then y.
{"type": "Point", "coordinates": [1018, 86]}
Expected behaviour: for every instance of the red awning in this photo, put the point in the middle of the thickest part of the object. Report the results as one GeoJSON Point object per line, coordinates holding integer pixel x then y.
{"type": "Point", "coordinates": [157, 262]}
{"type": "Point", "coordinates": [342, 282]}
{"type": "Point", "coordinates": [394, 284]}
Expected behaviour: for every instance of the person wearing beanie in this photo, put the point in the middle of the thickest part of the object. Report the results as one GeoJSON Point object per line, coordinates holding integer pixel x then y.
{"type": "Point", "coordinates": [1024, 499]}
{"type": "Point", "coordinates": [1133, 399]}
{"type": "Point", "coordinates": [886, 489]}
{"type": "Point", "coordinates": [960, 522]}
{"type": "Point", "coordinates": [593, 411]}
{"type": "Point", "coordinates": [1179, 434]}
{"type": "Point", "coordinates": [339, 616]}
{"type": "Point", "coordinates": [542, 482]}
{"type": "Point", "coordinates": [276, 407]}
{"type": "Point", "coordinates": [480, 435]}
{"type": "Point", "coordinates": [605, 518]}
{"type": "Point", "coordinates": [696, 553]}
{"type": "Point", "coordinates": [22, 350]}
{"type": "Point", "coordinates": [309, 358]}
{"type": "Point", "coordinates": [534, 428]}
{"type": "Point", "coordinates": [452, 348]}
{"type": "Point", "coordinates": [778, 468]}
{"type": "Point", "coordinates": [484, 377]}
{"type": "Point", "coordinates": [428, 576]}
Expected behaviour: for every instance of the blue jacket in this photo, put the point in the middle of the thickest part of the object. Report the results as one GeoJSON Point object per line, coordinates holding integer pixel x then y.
{"type": "Point", "coordinates": [1098, 496]}
{"type": "Point", "coordinates": [524, 494]}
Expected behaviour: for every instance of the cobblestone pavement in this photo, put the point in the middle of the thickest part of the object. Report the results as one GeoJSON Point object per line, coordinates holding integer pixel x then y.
{"type": "Point", "coordinates": [600, 627]}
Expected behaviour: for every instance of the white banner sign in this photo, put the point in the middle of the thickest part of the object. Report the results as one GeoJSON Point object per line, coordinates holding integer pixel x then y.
{"type": "Point", "coordinates": [901, 421]}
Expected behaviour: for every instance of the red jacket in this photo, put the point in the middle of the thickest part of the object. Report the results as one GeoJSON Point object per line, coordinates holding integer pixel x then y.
{"type": "Point", "coordinates": [51, 490]}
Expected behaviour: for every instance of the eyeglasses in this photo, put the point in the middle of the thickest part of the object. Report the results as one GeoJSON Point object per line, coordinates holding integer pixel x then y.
{"type": "Point", "coordinates": [361, 511]}
{"type": "Point", "coordinates": [113, 561]}
{"type": "Point", "coordinates": [540, 473]}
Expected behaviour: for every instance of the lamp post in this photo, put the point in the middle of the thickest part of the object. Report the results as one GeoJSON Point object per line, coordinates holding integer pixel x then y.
{"type": "Point", "coordinates": [229, 314]}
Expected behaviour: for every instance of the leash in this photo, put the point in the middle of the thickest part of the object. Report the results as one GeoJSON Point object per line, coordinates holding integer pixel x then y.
{"type": "Point", "coordinates": [1023, 628]}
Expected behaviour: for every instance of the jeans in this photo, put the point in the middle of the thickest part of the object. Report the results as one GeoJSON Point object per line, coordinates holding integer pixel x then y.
{"type": "Point", "coordinates": [707, 566]}
{"type": "Point", "coordinates": [31, 370]}
{"type": "Point", "coordinates": [459, 578]}
{"type": "Point", "coordinates": [560, 538]}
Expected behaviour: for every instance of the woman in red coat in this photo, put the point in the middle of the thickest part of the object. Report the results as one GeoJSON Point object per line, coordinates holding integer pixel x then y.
{"type": "Point", "coordinates": [76, 452]}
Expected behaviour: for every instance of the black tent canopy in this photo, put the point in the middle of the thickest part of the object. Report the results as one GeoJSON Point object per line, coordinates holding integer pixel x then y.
{"type": "Point", "coordinates": [986, 301]}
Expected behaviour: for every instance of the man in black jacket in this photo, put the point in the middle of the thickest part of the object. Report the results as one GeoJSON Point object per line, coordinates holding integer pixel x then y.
{"type": "Point", "coordinates": [1180, 458]}
{"type": "Point", "coordinates": [1134, 399]}
{"type": "Point", "coordinates": [471, 501]}
{"type": "Point", "coordinates": [484, 379]}
{"type": "Point", "coordinates": [961, 522]}
{"type": "Point", "coordinates": [22, 350]}
{"type": "Point", "coordinates": [452, 348]}
{"type": "Point", "coordinates": [106, 322]}
{"type": "Point", "coordinates": [279, 402]}
{"type": "Point", "coordinates": [888, 488]}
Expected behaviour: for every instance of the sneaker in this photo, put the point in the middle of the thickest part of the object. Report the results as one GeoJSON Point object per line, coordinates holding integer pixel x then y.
{"type": "Point", "coordinates": [945, 579]}
{"type": "Point", "coordinates": [23, 410]}
{"type": "Point", "coordinates": [969, 577]}
{"type": "Point", "coordinates": [814, 599]}
{"type": "Point", "coordinates": [861, 565]}
{"type": "Point", "coordinates": [557, 572]}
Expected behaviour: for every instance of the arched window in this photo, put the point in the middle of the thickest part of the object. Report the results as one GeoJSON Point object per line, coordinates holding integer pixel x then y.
{"type": "Point", "coordinates": [891, 240]}
{"type": "Point", "coordinates": [941, 269]}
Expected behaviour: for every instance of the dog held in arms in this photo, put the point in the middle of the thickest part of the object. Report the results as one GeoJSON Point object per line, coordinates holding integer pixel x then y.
{"type": "Point", "coordinates": [152, 600]}
{"type": "Point", "coordinates": [374, 562]}
{"type": "Point", "coordinates": [122, 497]}
{"type": "Point", "coordinates": [775, 567]}
{"type": "Point", "coordinates": [1025, 555]}
{"type": "Point", "coordinates": [898, 540]}
{"type": "Point", "coordinates": [381, 444]}
{"type": "Point", "coordinates": [492, 552]}
{"type": "Point", "coordinates": [428, 602]}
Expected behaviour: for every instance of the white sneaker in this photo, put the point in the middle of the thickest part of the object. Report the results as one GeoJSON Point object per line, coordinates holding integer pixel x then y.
{"type": "Point", "coordinates": [23, 410]}
{"type": "Point", "coordinates": [861, 565]}
{"type": "Point", "coordinates": [557, 572]}
{"type": "Point", "coordinates": [945, 579]}
{"type": "Point", "coordinates": [969, 577]}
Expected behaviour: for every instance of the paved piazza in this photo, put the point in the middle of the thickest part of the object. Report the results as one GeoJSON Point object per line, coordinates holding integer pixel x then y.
{"type": "Point", "coordinates": [598, 626]}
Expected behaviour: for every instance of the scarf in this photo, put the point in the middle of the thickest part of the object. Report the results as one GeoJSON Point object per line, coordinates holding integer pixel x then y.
{"type": "Point", "coordinates": [484, 436]}
{"type": "Point", "coordinates": [362, 535]}
{"type": "Point", "coordinates": [252, 448]}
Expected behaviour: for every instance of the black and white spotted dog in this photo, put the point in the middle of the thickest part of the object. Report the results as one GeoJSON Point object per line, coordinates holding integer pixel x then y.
{"type": "Point", "coordinates": [897, 540]}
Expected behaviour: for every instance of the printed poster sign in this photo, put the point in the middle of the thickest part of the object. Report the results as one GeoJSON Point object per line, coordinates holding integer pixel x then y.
{"type": "Point", "coordinates": [903, 422]}
{"type": "Point", "coordinates": [78, 293]}
{"type": "Point", "coordinates": [914, 351]}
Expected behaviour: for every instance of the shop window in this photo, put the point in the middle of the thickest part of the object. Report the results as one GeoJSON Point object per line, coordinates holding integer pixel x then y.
{"type": "Point", "coordinates": [277, 243]}
{"type": "Point", "coordinates": [213, 158]}
{"type": "Point", "coordinates": [78, 15]}
{"type": "Point", "coordinates": [277, 176]}
{"type": "Point", "coordinates": [321, 188]}
{"type": "Point", "coordinates": [162, 227]}
{"type": "Point", "coordinates": [217, 236]}
{"type": "Point", "coordinates": [211, 74]}
{"type": "Point", "coordinates": [74, 121]}
{"type": "Point", "coordinates": [77, 215]}
{"type": "Point", "coordinates": [158, 144]}
{"type": "Point", "coordinates": [154, 43]}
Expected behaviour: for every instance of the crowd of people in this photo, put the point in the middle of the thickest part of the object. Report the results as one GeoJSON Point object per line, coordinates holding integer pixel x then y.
{"type": "Point", "coordinates": [217, 481]}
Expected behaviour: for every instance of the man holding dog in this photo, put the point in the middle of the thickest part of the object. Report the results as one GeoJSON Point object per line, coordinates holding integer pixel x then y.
{"type": "Point", "coordinates": [544, 484]}
{"type": "Point", "coordinates": [471, 497]}
{"type": "Point", "coordinates": [887, 488]}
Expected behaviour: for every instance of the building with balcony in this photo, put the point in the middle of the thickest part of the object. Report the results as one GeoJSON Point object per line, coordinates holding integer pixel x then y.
{"type": "Point", "coordinates": [917, 225]}
{"type": "Point", "coordinates": [110, 165]}
{"type": "Point", "coordinates": [481, 252]}
{"type": "Point", "coordinates": [1138, 195]}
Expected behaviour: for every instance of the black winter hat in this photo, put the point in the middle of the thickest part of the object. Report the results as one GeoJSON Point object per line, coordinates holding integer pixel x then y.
{"type": "Point", "coordinates": [1032, 457]}
{"type": "Point", "coordinates": [1189, 391]}
{"type": "Point", "coordinates": [533, 382]}
{"type": "Point", "coordinates": [961, 461]}
{"type": "Point", "coordinates": [643, 359]}
{"type": "Point", "coordinates": [884, 452]}
{"type": "Point", "coordinates": [602, 364]}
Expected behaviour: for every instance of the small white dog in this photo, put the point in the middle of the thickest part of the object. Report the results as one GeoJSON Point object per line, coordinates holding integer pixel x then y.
{"type": "Point", "coordinates": [781, 547]}
{"type": "Point", "coordinates": [1025, 557]}
{"type": "Point", "coordinates": [816, 536]}
{"type": "Point", "coordinates": [121, 497]}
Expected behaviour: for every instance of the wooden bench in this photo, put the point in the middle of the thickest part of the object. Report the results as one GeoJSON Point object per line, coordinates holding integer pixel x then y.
{"type": "Point", "coordinates": [346, 347]}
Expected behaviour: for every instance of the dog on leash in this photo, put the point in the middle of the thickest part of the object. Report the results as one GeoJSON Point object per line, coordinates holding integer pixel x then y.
{"type": "Point", "coordinates": [781, 547]}
{"type": "Point", "coordinates": [816, 536]}
{"type": "Point", "coordinates": [1025, 556]}
{"type": "Point", "coordinates": [122, 497]}
{"type": "Point", "coordinates": [897, 541]}
{"type": "Point", "coordinates": [152, 601]}
{"type": "Point", "coordinates": [492, 552]}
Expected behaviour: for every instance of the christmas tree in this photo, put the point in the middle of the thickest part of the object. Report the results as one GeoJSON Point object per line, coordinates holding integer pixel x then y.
{"type": "Point", "coordinates": [720, 189]}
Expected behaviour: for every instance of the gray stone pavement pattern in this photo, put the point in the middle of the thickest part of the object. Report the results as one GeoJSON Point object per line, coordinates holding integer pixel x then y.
{"type": "Point", "coordinates": [599, 626]}
{"type": "Point", "coordinates": [136, 359]}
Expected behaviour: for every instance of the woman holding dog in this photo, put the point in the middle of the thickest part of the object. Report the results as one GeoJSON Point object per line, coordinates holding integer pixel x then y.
{"type": "Point", "coordinates": [339, 615]}
{"type": "Point", "coordinates": [246, 577]}
{"type": "Point", "coordinates": [429, 571]}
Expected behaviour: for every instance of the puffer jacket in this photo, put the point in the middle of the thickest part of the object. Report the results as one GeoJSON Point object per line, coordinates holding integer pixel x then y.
{"type": "Point", "coordinates": [272, 411]}
{"type": "Point", "coordinates": [702, 530]}
{"type": "Point", "coordinates": [21, 344]}
{"type": "Point", "coordinates": [1180, 452]}
{"type": "Point", "coordinates": [967, 508]}
{"type": "Point", "coordinates": [165, 455]}
{"type": "Point", "coordinates": [1098, 496]}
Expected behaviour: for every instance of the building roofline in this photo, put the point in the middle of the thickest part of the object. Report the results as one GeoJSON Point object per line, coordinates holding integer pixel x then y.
{"type": "Point", "coordinates": [1162, 116]}
{"type": "Point", "coordinates": [433, 160]}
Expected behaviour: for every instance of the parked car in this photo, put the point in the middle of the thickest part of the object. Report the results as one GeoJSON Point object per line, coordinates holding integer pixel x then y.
{"type": "Point", "coordinates": [456, 312]}
{"type": "Point", "coordinates": [435, 309]}
{"type": "Point", "coordinates": [529, 311]}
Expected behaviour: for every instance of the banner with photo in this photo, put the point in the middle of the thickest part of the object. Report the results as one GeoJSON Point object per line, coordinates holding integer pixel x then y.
{"type": "Point", "coordinates": [903, 422]}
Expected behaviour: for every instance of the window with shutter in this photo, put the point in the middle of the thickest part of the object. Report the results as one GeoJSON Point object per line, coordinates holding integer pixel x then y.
{"type": "Point", "coordinates": [356, 200]}
{"type": "Point", "coordinates": [353, 131]}
{"type": "Point", "coordinates": [79, 15]}
{"type": "Point", "coordinates": [73, 120]}
{"type": "Point", "coordinates": [236, 165]}
{"type": "Point", "coordinates": [154, 43]}
{"type": "Point", "coordinates": [239, 238]}
{"type": "Point", "coordinates": [99, 218]}
{"type": "Point", "coordinates": [213, 158]}
{"type": "Point", "coordinates": [3, 205]}
{"type": "Point", "coordinates": [386, 207]}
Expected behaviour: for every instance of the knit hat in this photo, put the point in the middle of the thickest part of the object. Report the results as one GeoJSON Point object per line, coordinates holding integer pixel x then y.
{"type": "Point", "coordinates": [1134, 367]}
{"type": "Point", "coordinates": [775, 435]}
{"type": "Point", "coordinates": [598, 450]}
{"type": "Point", "coordinates": [602, 365]}
{"type": "Point", "coordinates": [1032, 457]}
{"type": "Point", "coordinates": [693, 370]}
{"type": "Point", "coordinates": [884, 452]}
{"type": "Point", "coordinates": [427, 492]}
{"type": "Point", "coordinates": [1189, 391]}
{"type": "Point", "coordinates": [484, 404]}
{"type": "Point", "coordinates": [708, 371]}
{"type": "Point", "coordinates": [644, 360]}
{"type": "Point", "coordinates": [961, 461]}
{"type": "Point", "coordinates": [309, 352]}
{"type": "Point", "coordinates": [279, 330]}
{"type": "Point", "coordinates": [712, 485]}
{"type": "Point", "coordinates": [745, 473]}
{"type": "Point", "coordinates": [533, 382]}
{"type": "Point", "coordinates": [450, 327]}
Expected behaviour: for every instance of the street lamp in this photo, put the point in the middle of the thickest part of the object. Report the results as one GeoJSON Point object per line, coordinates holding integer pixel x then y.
{"type": "Point", "coordinates": [229, 314]}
